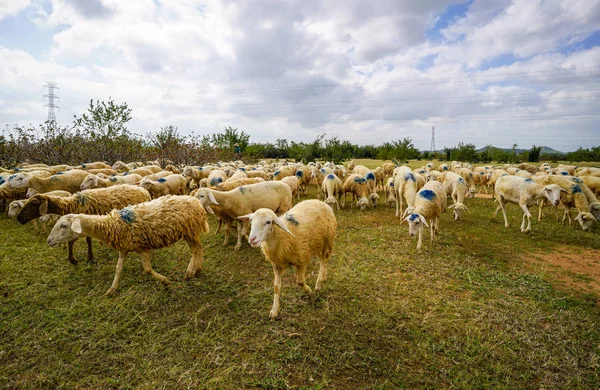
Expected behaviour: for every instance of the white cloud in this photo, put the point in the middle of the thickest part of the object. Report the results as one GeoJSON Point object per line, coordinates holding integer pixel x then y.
{"type": "Point", "coordinates": [12, 7]}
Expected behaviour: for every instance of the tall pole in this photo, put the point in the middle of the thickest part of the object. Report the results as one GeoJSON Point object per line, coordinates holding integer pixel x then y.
{"type": "Point", "coordinates": [51, 106]}
{"type": "Point", "coordinates": [432, 149]}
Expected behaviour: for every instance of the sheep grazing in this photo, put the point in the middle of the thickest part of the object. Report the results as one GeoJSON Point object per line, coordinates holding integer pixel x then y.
{"type": "Point", "coordinates": [430, 203]}
{"type": "Point", "coordinates": [358, 187]}
{"type": "Point", "coordinates": [141, 228]}
{"type": "Point", "coordinates": [95, 201]}
{"type": "Point", "coordinates": [308, 230]}
{"type": "Point", "coordinates": [525, 193]}
{"type": "Point", "coordinates": [94, 181]}
{"type": "Point", "coordinates": [173, 184]}
{"type": "Point", "coordinates": [456, 186]}
{"type": "Point", "coordinates": [405, 184]}
{"type": "Point", "coordinates": [332, 188]}
{"type": "Point", "coordinates": [244, 200]}
{"type": "Point", "coordinates": [68, 181]}
{"type": "Point", "coordinates": [390, 193]}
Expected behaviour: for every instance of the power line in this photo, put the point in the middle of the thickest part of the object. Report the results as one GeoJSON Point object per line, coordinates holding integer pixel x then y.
{"type": "Point", "coordinates": [51, 106]}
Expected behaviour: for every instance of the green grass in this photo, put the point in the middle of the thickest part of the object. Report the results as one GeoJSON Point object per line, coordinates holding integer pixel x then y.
{"type": "Point", "coordinates": [464, 312]}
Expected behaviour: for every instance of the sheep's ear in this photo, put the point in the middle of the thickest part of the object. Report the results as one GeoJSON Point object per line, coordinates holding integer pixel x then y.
{"type": "Point", "coordinates": [210, 211]}
{"type": "Point", "coordinates": [211, 197]}
{"type": "Point", "coordinates": [279, 222]}
{"type": "Point", "coordinates": [563, 190]}
{"type": "Point", "coordinates": [245, 217]}
{"type": "Point", "coordinates": [422, 218]}
{"type": "Point", "coordinates": [404, 220]}
{"type": "Point", "coordinates": [44, 207]}
{"type": "Point", "coordinates": [467, 209]}
{"type": "Point", "coordinates": [76, 226]}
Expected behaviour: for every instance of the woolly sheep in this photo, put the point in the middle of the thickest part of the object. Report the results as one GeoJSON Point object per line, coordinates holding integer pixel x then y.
{"type": "Point", "coordinates": [244, 200]}
{"type": "Point", "coordinates": [173, 184]}
{"type": "Point", "coordinates": [390, 192]}
{"type": "Point", "coordinates": [593, 183]}
{"type": "Point", "coordinates": [525, 193]}
{"type": "Point", "coordinates": [141, 228]}
{"type": "Point", "coordinates": [294, 184]}
{"type": "Point", "coordinates": [332, 188]}
{"type": "Point", "coordinates": [358, 187]}
{"type": "Point", "coordinates": [9, 194]}
{"type": "Point", "coordinates": [68, 181]}
{"type": "Point", "coordinates": [303, 175]}
{"type": "Point", "coordinates": [216, 176]}
{"type": "Point", "coordinates": [285, 171]}
{"type": "Point", "coordinates": [405, 183]}
{"type": "Point", "coordinates": [351, 165]}
{"type": "Point", "coordinates": [231, 183]}
{"type": "Point", "coordinates": [566, 182]}
{"type": "Point", "coordinates": [308, 230]}
{"type": "Point", "coordinates": [456, 186]}
{"type": "Point", "coordinates": [94, 201]}
{"type": "Point", "coordinates": [430, 202]}
{"type": "Point", "coordinates": [94, 181]}
{"type": "Point", "coordinates": [94, 165]}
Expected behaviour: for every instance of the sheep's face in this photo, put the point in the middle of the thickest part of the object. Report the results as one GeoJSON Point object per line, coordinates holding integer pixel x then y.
{"type": "Point", "coordinates": [30, 192]}
{"type": "Point", "coordinates": [19, 181]}
{"type": "Point", "coordinates": [332, 202]}
{"type": "Point", "coordinates": [206, 197]}
{"type": "Point", "coordinates": [146, 183]}
{"type": "Point", "coordinates": [88, 182]}
{"type": "Point", "coordinates": [585, 220]}
{"type": "Point", "coordinates": [415, 223]}
{"type": "Point", "coordinates": [62, 232]}
{"type": "Point", "coordinates": [374, 198]}
{"type": "Point", "coordinates": [261, 225]}
{"type": "Point", "coordinates": [552, 193]}
{"type": "Point", "coordinates": [595, 210]}
{"type": "Point", "coordinates": [362, 203]}
{"type": "Point", "coordinates": [459, 209]}
{"type": "Point", "coordinates": [14, 207]}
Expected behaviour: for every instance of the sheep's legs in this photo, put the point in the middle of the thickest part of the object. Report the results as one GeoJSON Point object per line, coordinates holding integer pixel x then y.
{"type": "Point", "coordinates": [72, 258]}
{"type": "Point", "coordinates": [90, 258]}
{"type": "Point", "coordinates": [117, 279]}
{"type": "Point", "coordinates": [503, 207]}
{"type": "Point", "coordinates": [322, 273]}
{"type": "Point", "coordinates": [277, 292]}
{"type": "Point", "coordinates": [239, 240]}
{"type": "Point", "coordinates": [526, 214]}
{"type": "Point", "coordinates": [541, 207]}
{"type": "Point", "coordinates": [301, 279]}
{"type": "Point", "coordinates": [195, 265]}
{"type": "Point", "coordinates": [148, 268]}
{"type": "Point", "coordinates": [420, 239]}
{"type": "Point", "coordinates": [227, 231]}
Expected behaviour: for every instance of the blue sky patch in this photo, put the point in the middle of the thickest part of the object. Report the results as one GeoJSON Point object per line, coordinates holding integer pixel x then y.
{"type": "Point", "coordinates": [452, 13]}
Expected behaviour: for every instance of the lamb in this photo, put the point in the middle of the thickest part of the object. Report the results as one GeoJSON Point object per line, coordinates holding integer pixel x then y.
{"type": "Point", "coordinates": [524, 192]}
{"type": "Point", "coordinates": [69, 181]}
{"type": "Point", "coordinates": [173, 184]}
{"type": "Point", "coordinates": [94, 181]}
{"type": "Point", "coordinates": [294, 184]}
{"type": "Point", "coordinates": [247, 199]}
{"type": "Point", "coordinates": [390, 192]}
{"type": "Point", "coordinates": [358, 187]}
{"type": "Point", "coordinates": [141, 228]}
{"type": "Point", "coordinates": [308, 230]}
{"type": "Point", "coordinates": [456, 187]}
{"type": "Point", "coordinates": [332, 188]}
{"type": "Point", "coordinates": [430, 202]}
{"type": "Point", "coordinates": [95, 201]}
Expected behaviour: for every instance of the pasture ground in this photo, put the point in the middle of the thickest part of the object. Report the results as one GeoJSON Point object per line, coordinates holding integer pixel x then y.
{"type": "Point", "coordinates": [483, 306]}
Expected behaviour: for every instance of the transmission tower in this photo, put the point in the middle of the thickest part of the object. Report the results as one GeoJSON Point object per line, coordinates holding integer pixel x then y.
{"type": "Point", "coordinates": [51, 106]}
{"type": "Point", "coordinates": [432, 139]}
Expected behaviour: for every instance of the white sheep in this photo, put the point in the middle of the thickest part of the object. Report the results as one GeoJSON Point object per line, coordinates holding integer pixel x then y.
{"type": "Point", "coordinates": [68, 181]}
{"type": "Point", "coordinates": [390, 192]}
{"type": "Point", "coordinates": [95, 181]}
{"type": "Point", "coordinates": [525, 193]}
{"type": "Point", "coordinates": [173, 184]}
{"type": "Point", "coordinates": [405, 183]}
{"type": "Point", "coordinates": [308, 230]}
{"type": "Point", "coordinates": [141, 228]}
{"type": "Point", "coordinates": [430, 203]}
{"type": "Point", "coordinates": [358, 187]}
{"type": "Point", "coordinates": [246, 199]}
{"type": "Point", "coordinates": [294, 184]}
{"type": "Point", "coordinates": [332, 188]}
{"type": "Point", "coordinates": [456, 186]}
{"type": "Point", "coordinates": [216, 176]}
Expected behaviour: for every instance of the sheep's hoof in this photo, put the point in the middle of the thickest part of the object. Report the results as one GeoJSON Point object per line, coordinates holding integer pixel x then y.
{"type": "Point", "coordinates": [507, 226]}
{"type": "Point", "coordinates": [166, 282]}
{"type": "Point", "coordinates": [73, 260]}
{"type": "Point", "coordinates": [111, 291]}
{"type": "Point", "coordinates": [237, 247]}
{"type": "Point", "coordinates": [272, 315]}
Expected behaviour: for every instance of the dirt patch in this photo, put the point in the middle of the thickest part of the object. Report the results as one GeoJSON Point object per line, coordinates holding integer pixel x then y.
{"type": "Point", "coordinates": [483, 196]}
{"type": "Point", "coordinates": [579, 269]}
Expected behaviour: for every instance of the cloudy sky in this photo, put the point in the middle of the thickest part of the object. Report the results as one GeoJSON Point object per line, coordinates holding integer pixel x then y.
{"type": "Point", "coordinates": [486, 72]}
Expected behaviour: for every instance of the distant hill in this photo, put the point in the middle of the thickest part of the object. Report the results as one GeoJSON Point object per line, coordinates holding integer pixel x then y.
{"type": "Point", "coordinates": [545, 150]}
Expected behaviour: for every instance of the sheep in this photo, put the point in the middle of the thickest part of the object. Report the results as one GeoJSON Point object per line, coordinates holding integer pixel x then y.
{"type": "Point", "coordinates": [405, 184]}
{"type": "Point", "coordinates": [140, 171]}
{"type": "Point", "coordinates": [317, 177]}
{"type": "Point", "coordinates": [141, 228]}
{"type": "Point", "coordinates": [430, 203]}
{"type": "Point", "coordinates": [284, 171]}
{"type": "Point", "coordinates": [94, 201]}
{"type": "Point", "coordinates": [496, 174]}
{"type": "Point", "coordinates": [351, 165]}
{"type": "Point", "coordinates": [332, 188]}
{"type": "Point", "coordinates": [467, 175]}
{"type": "Point", "coordinates": [390, 192]}
{"type": "Point", "coordinates": [94, 165]}
{"type": "Point", "coordinates": [15, 207]}
{"type": "Point", "coordinates": [69, 181]}
{"type": "Point", "coordinates": [173, 184]}
{"type": "Point", "coordinates": [215, 177]}
{"type": "Point", "coordinates": [172, 168]}
{"type": "Point", "coordinates": [588, 171]}
{"type": "Point", "coordinates": [294, 184]}
{"type": "Point", "coordinates": [593, 183]}
{"type": "Point", "coordinates": [388, 169]}
{"type": "Point", "coordinates": [231, 184]}
{"type": "Point", "coordinates": [524, 192]}
{"type": "Point", "coordinates": [247, 199]}
{"type": "Point", "coordinates": [122, 167]}
{"type": "Point", "coordinates": [257, 174]}
{"type": "Point", "coordinates": [108, 172]}
{"type": "Point", "coordinates": [9, 194]}
{"type": "Point", "coordinates": [443, 167]}
{"type": "Point", "coordinates": [94, 181]}
{"type": "Point", "coordinates": [358, 187]}
{"type": "Point", "coordinates": [303, 175]}
{"type": "Point", "coordinates": [575, 197]}
{"type": "Point", "coordinates": [456, 187]}
{"type": "Point", "coordinates": [360, 170]}
{"type": "Point", "coordinates": [308, 230]}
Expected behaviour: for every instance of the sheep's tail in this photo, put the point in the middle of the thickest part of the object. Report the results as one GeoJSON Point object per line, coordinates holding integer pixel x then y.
{"type": "Point", "coordinates": [205, 227]}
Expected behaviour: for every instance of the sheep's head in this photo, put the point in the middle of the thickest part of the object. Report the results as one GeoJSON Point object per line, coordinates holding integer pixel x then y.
{"type": "Point", "coordinates": [415, 223]}
{"type": "Point", "coordinates": [20, 180]}
{"type": "Point", "coordinates": [67, 228]}
{"type": "Point", "coordinates": [459, 209]}
{"type": "Point", "coordinates": [595, 210]}
{"type": "Point", "coordinates": [206, 198]}
{"type": "Point", "coordinates": [362, 203]}
{"type": "Point", "coordinates": [90, 181]}
{"type": "Point", "coordinates": [374, 198]}
{"type": "Point", "coordinates": [262, 223]}
{"type": "Point", "coordinates": [35, 207]}
{"type": "Point", "coordinates": [332, 202]}
{"type": "Point", "coordinates": [586, 220]}
{"type": "Point", "coordinates": [14, 207]}
{"type": "Point", "coordinates": [552, 193]}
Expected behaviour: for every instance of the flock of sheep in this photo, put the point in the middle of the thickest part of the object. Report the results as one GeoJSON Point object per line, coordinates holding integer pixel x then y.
{"type": "Point", "coordinates": [139, 207]}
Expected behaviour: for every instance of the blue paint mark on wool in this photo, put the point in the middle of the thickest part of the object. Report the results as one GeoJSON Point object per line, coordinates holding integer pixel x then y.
{"type": "Point", "coordinates": [565, 173]}
{"type": "Point", "coordinates": [215, 180]}
{"type": "Point", "coordinates": [299, 173]}
{"type": "Point", "coordinates": [242, 169]}
{"type": "Point", "coordinates": [370, 176]}
{"type": "Point", "coordinates": [17, 169]}
{"type": "Point", "coordinates": [112, 178]}
{"type": "Point", "coordinates": [461, 180]}
{"type": "Point", "coordinates": [290, 217]}
{"type": "Point", "coordinates": [323, 170]}
{"type": "Point", "coordinates": [409, 177]}
{"type": "Point", "coordinates": [81, 199]}
{"type": "Point", "coordinates": [12, 177]}
{"type": "Point", "coordinates": [427, 194]}
{"type": "Point", "coordinates": [528, 181]}
{"type": "Point", "coordinates": [276, 173]}
{"type": "Point", "coordinates": [242, 190]}
{"type": "Point", "coordinates": [360, 180]}
{"type": "Point", "coordinates": [575, 189]}
{"type": "Point", "coordinates": [330, 176]}
{"type": "Point", "coordinates": [413, 217]}
{"type": "Point", "coordinates": [1, 180]}
{"type": "Point", "coordinates": [83, 165]}
{"type": "Point", "coordinates": [126, 173]}
{"type": "Point", "coordinates": [162, 180]}
{"type": "Point", "coordinates": [504, 174]}
{"type": "Point", "coordinates": [127, 215]}
{"type": "Point", "coordinates": [59, 173]}
{"type": "Point", "coordinates": [577, 180]}
{"type": "Point", "coordinates": [392, 184]}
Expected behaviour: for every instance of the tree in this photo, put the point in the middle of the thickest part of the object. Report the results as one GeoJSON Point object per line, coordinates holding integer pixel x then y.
{"type": "Point", "coordinates": [230, 137]}
{"type": "Point", "coordinates": [534, 154]}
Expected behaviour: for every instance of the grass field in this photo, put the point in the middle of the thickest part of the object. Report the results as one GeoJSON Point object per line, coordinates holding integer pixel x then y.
{"type": "Point", "coordinates": [480, 307]}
